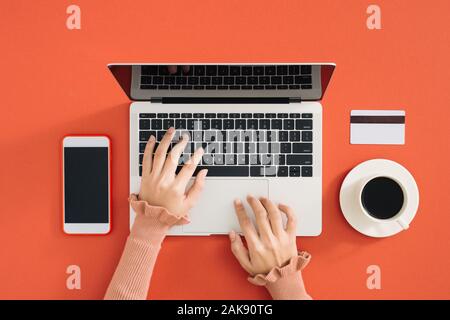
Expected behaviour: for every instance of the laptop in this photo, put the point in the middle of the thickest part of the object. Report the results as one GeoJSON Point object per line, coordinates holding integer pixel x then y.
{"type": "Point", "coordinates": [260, 125]}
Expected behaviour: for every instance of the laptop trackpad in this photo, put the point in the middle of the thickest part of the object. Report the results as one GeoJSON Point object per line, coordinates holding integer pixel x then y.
{"type": "Point", "coordinates": [214, 213]}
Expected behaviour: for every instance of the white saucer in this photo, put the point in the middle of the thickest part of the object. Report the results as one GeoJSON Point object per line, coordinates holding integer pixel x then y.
{"type": "Point", "coordinates": [351, 209]}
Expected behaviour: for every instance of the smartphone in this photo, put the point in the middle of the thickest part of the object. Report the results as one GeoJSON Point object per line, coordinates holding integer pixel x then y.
{"type": "Point", "coordinates": [86, 185]}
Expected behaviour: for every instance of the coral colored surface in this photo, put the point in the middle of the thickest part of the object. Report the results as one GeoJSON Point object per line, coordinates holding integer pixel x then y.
{"type": "Point", "coordinates": [55, 82]}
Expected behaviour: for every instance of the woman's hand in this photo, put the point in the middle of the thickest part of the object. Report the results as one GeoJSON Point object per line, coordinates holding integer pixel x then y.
{"type": "Point", "coordinates": [160, 186]}
{"type": "Point", "coordinates": [271, 245]}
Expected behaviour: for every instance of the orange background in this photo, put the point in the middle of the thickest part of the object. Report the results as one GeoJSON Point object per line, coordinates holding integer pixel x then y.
{"type": "Point", "coordinates": [55, 82]}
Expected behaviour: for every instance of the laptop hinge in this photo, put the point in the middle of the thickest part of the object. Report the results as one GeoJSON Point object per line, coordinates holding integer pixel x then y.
{"type": "Point", "coordinates": [199, 100]}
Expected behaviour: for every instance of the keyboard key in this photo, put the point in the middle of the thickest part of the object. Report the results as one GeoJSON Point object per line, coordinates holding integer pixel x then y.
{"type": "Point", "coordinates": [302, 79]}
{"type": "Point", "coordinates": [307, 171]}
{"type": "Point", "coordinates": [144, 135]}
{"type": "Point", "coordinates": [306, 86]}
{"type": "Point", "coordinates": [147, 115]}
{"type": "Point", "coordinates": [264, 80]}
{"type": "Point", "coordinates": [288, 80]}
{"type": "Point", "coordinates": [162, 70]}
{"type": "Point", "coordinates": [205, 80]}
{"type": "Point", "coordinates": [199, 70]}
{"type": "Point", "coordinates": [283, 171]}
{"type": "Point", "coordinates": [252, 124]}
{"type": "Point", "coordinates": [186, 115]}
{"type": "Point", "coordinates": [306, 69]}
{"type": "Point", "coordinates": [222, 115]}
{"type": "Point", "coordinates": [169, 80]}
{"type": "Point", "coordinates": [294, 136]}
{"type": "Point", "coordinates": [294, 86]}
{"type": "Point", "coordinates": [240, 124]}
{"type": "Point", "coordinates": [223, 70]}
{"type": "Point", "coordinates": [228, 124]}
{"type": "Point", "coordinates": [156, 124]}
{"type": "Point", "coordinates": [142, 147]}
{"type": "Point", "coordinates": [174, 115]}
{"type": "Point", "coordinates": [282, 87]}
{"type": "Point", "coordinates": [258, 70]}
{"type": "Point", "coordinates": [158, 80]}
{"type": "Point", "coordinates": [299, 160]}
{"type": "Point", "coordinates": [270, 171]}
{"type": "Point", "coordinates": [302, 148]}
{"type": "Point", "coordinates": [228, 80]}
{"type": "Point", "coordinates": [230, 159]}
{"type": "Point", "coordinates": [216, 80]}
{"type": "Point", "coordinates": [275, 80]}
{"type": "Point", "coordinates": [149, 70]}
{"type": "Point", "coordinates": [163, 115]}
{"type": "Point", "coordinates": [167, 123]}
{"type": "Point", "coordinates": [307, 115]}
{"type": "Point", "coordinates": [285, 147]}
{"type": "Point", "coordinates": [242, 159]}
{"type": "Point", "coordinates": [241, 80]}
{"type": "Point", "coordinates": [235, 70]}
{"type": "Point", "coordinates": [180, 124]}
{"type": "Point", "coordinates": [219, 159]}
{"type": "Point", "coordinates": [294, 171]}
{"type": "Point", "coordinates": [211, 70]}
{"type": "Point", "coordinates": [288, 124]}
{"type": "Point", "coordinates": [252, 80]}
{"type": "Point", "coordinates": [144, 124]}
{"type": "Point", "coordinates": [225, 171]}
{"type": "Point", "coordinates": [146, 80]}
{"type": "Point", "coordinates": [264, 124]}
{"type": "Point", "coordinates": [216, 124]}
{"type": "Point", "coordinates": [303, 124]}
{"type": "Point", "coordinates": [294, 115]}
{"type": "Point", "coordinates": [180, 80]}
{"type": "Point", "coordinates": [283, 135]}
{"type": "Point", "coordinates": [247, 71]}
{"type": "Point", "coordinates": [277, 124]}
{"type": "Point", "coordinates": [140, 171]}
{"type": "Point", "coordinates": [270, 70]}
{"type": "Point", "coordinates": [193, 80]}
{"type": "Point", "coordinates": [294, 70]}
{"type": "Point", "coordinates": [256, 171]}
{"type": "Point", "coordinates": [282, 70]}
{"type": "Point", "coordinates": [307, 136]}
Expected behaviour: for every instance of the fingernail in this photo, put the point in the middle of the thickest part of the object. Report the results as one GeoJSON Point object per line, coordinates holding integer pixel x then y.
{"type": "Point", "coordinates": [205, 172]}
{"type": "Point", "coordinates": [171, 129]}
{"type": "Point", "coordinates": [152, 138]}
{"type": "Point", "coordinates": [237, 202]}
{"type": "Point", "coordinates": [232, 235]}
{"type": "Point", "coordinates": [185, 136]}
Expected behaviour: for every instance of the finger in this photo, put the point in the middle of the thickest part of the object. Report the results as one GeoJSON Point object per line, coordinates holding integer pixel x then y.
{"type": "Point", "coordinates": [188, 169]}
{"type": "Point", "coordinates": [274, 215]}
{"type": "Point", "coordinates": [186, 69]}
{"type": "Point", "coordinates": [196, 189]}
{"type": "Point", "coordinates": [240, 251]}
{"type": "Point", "coordinates": [262, 221]}
{"type": "Point", "coordinates": [161, 151]}
{"type": "Point", "coordinates": [172, 69]}
{"type": "Point", "coordinates": [291, 224]}
{"type": "Point", "coordinates": [148, 156]}
{"type": "Point", "coordinates": [173, 157]}
{"type": "Point", "coordinates": [247, 227]}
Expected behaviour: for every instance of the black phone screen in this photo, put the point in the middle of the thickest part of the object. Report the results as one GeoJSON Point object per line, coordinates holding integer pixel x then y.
{"type": "Point", "coordinates": [86, 196]}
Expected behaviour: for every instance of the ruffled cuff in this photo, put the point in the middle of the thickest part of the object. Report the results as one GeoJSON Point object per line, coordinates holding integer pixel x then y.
{"type": "Point", "coordinates": [152, 222]}
{"type": "Point", "coordinates": [285, 283]}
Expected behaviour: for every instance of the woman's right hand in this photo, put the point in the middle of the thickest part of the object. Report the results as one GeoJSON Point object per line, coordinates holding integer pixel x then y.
{"type": "Point", "coordinates": [271, 245]}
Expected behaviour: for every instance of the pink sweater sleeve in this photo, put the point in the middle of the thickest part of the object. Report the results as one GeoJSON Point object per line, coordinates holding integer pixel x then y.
{"type": "Point", "coordinates": [131, 279]}
{"type": "Point", "coordinates": [286, 283]}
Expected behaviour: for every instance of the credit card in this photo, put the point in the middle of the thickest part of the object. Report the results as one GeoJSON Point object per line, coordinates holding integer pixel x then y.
{"type": "Point", "coordinates": [377, 127]}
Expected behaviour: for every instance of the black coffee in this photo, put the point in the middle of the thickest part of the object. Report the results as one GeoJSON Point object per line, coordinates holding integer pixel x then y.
{"type": "Point", "coordinates": [382, 198]}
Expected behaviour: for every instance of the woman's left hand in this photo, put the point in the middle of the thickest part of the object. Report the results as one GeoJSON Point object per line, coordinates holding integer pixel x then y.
{"type": "Point", "coordinates": [160, 186]}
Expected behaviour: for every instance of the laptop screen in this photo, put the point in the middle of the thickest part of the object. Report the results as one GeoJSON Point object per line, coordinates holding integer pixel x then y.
{"type": "Point", "coordinates": [143, 82]}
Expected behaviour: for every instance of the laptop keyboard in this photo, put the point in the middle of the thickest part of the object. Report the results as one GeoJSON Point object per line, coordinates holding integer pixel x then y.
{"type": "Point", "coordinates": [227, 77]}
{"type": "Point", "coordinates": [238, 144]}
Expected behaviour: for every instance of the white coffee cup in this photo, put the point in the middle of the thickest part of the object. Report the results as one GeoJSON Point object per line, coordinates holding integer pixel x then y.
{"type": "Point", "coordinates": [399, 217]}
